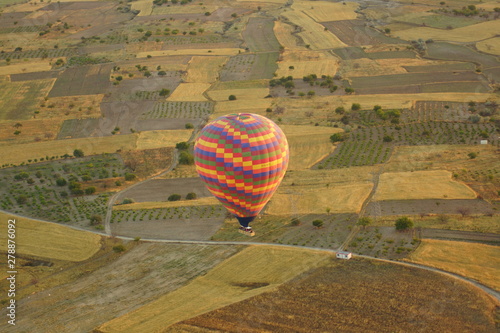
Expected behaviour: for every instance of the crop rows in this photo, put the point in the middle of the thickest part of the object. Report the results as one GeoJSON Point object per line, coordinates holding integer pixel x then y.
{"type": "Point", "coordinates": [191, 110]}
{"type": "Point", "coordinates": [194, 212]}
{"type": "Point", "coordinates": [21, 29]}
{"type": "Point", "coordinates": [373, 145]}
{"type": "Point", "coordinates": [40, 53]}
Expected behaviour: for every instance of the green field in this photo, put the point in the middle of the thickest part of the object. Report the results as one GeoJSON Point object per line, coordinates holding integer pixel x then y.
{"type": "Point", "coordinates": [19, 100]}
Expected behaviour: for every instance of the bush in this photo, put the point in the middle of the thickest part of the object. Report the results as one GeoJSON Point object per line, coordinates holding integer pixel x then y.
{"type": "Point", "coordinates": [90, 190]}
{"type": "Point", "coordinates": [119, 248]}
{"type": "Point", "coordinates": [191, 196]}
{"type": "Point", "coordinates": [127, 201]}
{"type": "Point", "coordinates": [130, 176]}
{"type": "Point", "coordinates": [337, 137]}
{"type": "Point", "coordinates": [61, 182]}
{"type": "Point", "coordinates": [295, 222]}
{"type": "Point", "coordinates": [472, 155]}
{"type": "Point", "coordinates": [182, 146]}
{"type": "Point", "coordinates": [232, 97]}
{"type": "Point", "coordinates": [317, 223]}
{"type": "Point", "coordinates": [403, 223]}
{"type": "Point", "coordinates": [174, 197]}
{"type": "Point", "coordinates": [189, 126]}
{"type": "Point", "coordinates": [186, 158]}
{"type": "Point", "coordinates": [78, 153]}
{"type": "Point", "coordinates": [95, 219]}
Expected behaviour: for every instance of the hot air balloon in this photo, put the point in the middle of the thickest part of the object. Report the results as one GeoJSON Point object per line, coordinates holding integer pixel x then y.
{"type": "Point", "coordinates": [242, 159]}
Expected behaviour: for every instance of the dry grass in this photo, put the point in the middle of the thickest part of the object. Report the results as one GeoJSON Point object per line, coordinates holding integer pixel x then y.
{"type": "Point", "coordinates": [26, 67]}
{"type": "Point", "coordinates": [189, 92]}
{"type": "Point", "coordinates": [186, 9]}
{"type": "Point", "coordinates": [265, 1]}
{"type": "Point", "coordinates": [307, 62]}
{"type": "Point", "coordinates": [229, 282]}
{"type": "Point", "coordinates": [167, 63]}
{"type": "Point", "coordinates": [205, 68]}
{"type": "Point", "coordinates": [323, 11]}
{"type": "Point", "coordinates": [308, 144]}
{"type": "Point", "coordinates": [480, 262]}
{"type": "Point", "coordinates": [491, 46]}
{"type": "Point", "coordinates": [31, 131]}
{"type": "Point", "coordinates": [48, 240]}
{"type": "Point", "coordinates": [436, 184]}
{"type": "Point", "coordinates": [201, 52]}
{"type": "Point", "coordinates": [314, 34]}
{"type": "Point", "coordinates": [144, 6]}
{"type": "Point", "coordinates": [466, 34]}
{"type": "Point", "coordinates": [90, 146]}
{"type": "Point", "coordinates": [71, 107]}
{"type": "Point", "coordinates": [314, 200]}
{"type": "Point", "coordinates": [208, 201]}
{"type": "Point", "coordinates": [160, 139]}
{"type": "Point", "coordinates": [181, 171]}
{"type": "Point", "coordinates": [283, 33]}
{"type": "Point", "coordinates": [369, 67]}
{"type": "Point", "coordinates": [257, 106]}
{"type": "Point", "coordinates": [243, 94]}
{"type": "Point", "coordinates": [312, 191]}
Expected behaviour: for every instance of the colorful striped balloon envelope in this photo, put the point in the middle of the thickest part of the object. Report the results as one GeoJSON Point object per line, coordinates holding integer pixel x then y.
{"type": "Point", "coordinates": [242, 158]}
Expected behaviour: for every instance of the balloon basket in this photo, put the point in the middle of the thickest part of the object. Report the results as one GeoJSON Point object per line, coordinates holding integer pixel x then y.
{"type": "Point", "coordinates": [250, 232]}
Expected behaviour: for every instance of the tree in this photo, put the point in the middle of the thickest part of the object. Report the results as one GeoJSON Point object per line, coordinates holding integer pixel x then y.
{"type": "Point", "coordinates": [191, 196]}
{"type": "Point", "coordinates": [61, 181]}
{"type": "Point", "coordinates": [364, 221]}
{"type": "Point", "coordinates": [403, 223]}
{"type": "Point", "coordinates": [90, 190]}
{"type": "Point", "coordinates": [349, 90]}
{"type": "Point", "coordinates": [295, 222]}
{"type": "Point", "coordinates": [182, 145]}
{"type": "Point", "coordinates": [388, 138]}
{"type": "Point", "coordinates": [189, 126]}
{"type": "Point", "coordinates": [337, 137]}
{"type": "Point", "coordinates": [162, 73]}
{"type": "Point", "coordinates": [17, 125]}
{"type": "Point", "coordinates": [78, 153]}
{"type": "Point", "coordinates": [119, 248]}
{"type": "Point", "coordinates": [164, 92]}
{"type": "Point", "coordinates": [232, 97]}
{"type": "Point", "coordinates": [174, 197]}
{"type": "Point", "coordinates": [472, 155]}
{"type": "Point", "coordinates": [186, 158]}
{"type": "Point", "coordinates": [95, 219]}
{"type": "Point", "coordinates": [340, 110]}
{"type": "Point", "coordinates": [355, 106]}
{"type": "Point", "coordinates": [317, 223]}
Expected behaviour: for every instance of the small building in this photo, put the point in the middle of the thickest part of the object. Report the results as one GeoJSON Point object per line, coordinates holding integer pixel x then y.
{"type": "Point", "coordinates": [484, 142]}
{"type": "Point", "coordinates": [344, 255]}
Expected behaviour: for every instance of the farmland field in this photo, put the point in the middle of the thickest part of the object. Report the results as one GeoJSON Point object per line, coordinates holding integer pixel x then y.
{"type": "Point", "coordinates": [341, 296]}
{"type": "Point", "coordinates": [204, 69]}
{"type": "Point", "coordinates": [235, 279]}
{"type": "Point", "coordinates": [448, 255]}
{"type": "Point", "coordinates": [189, 110]}
{"type": "Point", "coordinates": [50, 241]}
{"type": "Point", "coordinates": [421, 185]}
{"type": "Point", "coordinates": [491, 46]}
{"type": "Point", "coordinates": [437, 21]}
{"type": "Point", "coordinates": [322, 11]}
{"type": "Point", "coordinates": [259, 35]}
{"type": "Point", "coordinates": [302, 63]}
{"type": "Point", "coordinates": [18, 99]}
{"type": "Point", "coordinates": [355, 33]}
{"type": "Point", "coordinates": [189, 92]}
{"type": "Point", "coordinates": [86, 80]}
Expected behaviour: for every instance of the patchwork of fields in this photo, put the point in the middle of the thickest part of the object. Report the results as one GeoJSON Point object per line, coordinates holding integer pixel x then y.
{"type": "Point", "coordinates": [390, 109]}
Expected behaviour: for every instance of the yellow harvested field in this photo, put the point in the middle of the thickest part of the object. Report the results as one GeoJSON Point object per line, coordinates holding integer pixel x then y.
{"type": "Point", "coordinates": [320, 178]}
{"type": "Point", "coordinates": [90, 146]}
{"type": "Point", "coordinates": [324, 11]}
{"type": "Point", "coordinates": [314, 34]}
{"type": "Point", "coordinates": [31, 131]}
{"type": "Point", "coordinates": [189, 92]}
{"type": "Point", "coordinates": [167, 63]}
{"type": "Point", "coordinates": [49, 240]}
{"type": "Point", "coordinates": [160, 139]}
{"type": "Point", "coordinates": [270, 1]}
{"type": "Point", "coordinates": [247, 84]}
{"type": "Point", "coordinates": [25, 7]}
{"type": "Point", "coordinates": [145, 7]}
{"type": "Point", "coordinates": [491, 46]}
{"type": "Point", "coordinates": [283, 33]}
{"type": "Point", "coordinates": [208, 201]}
{"type": "Point", "coordinates": [299, 199]}
{"type": "Point", "coordinates": [257, 106]}
{"type": "Point", "coordinates": [180, 51]}
{"type": "Point", "coordinates": [229, 282]}
{"type": "Point", "coordinates": [436, 184]}
{"type": "Point", "coordinates": [185, 9]}
{"type": "Point", "coordinates": [244, 94]}
{"type": "Point", "coordinates": [482, 262]}
{"type": "Point", "coordinates": [26, 67]}
{"type": "Point", "coordinates": [370, 67]}
{"type": "Point", "coordinates": [84, 106]}
{"type": "Point", "coordinates": [205, 68]}
{"type": "Point", "coordinates": [469, 33]}
{"type": "Point", "coordinates": [307, 62]}
{"type": "Point", "coordinates": [308, 144]}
